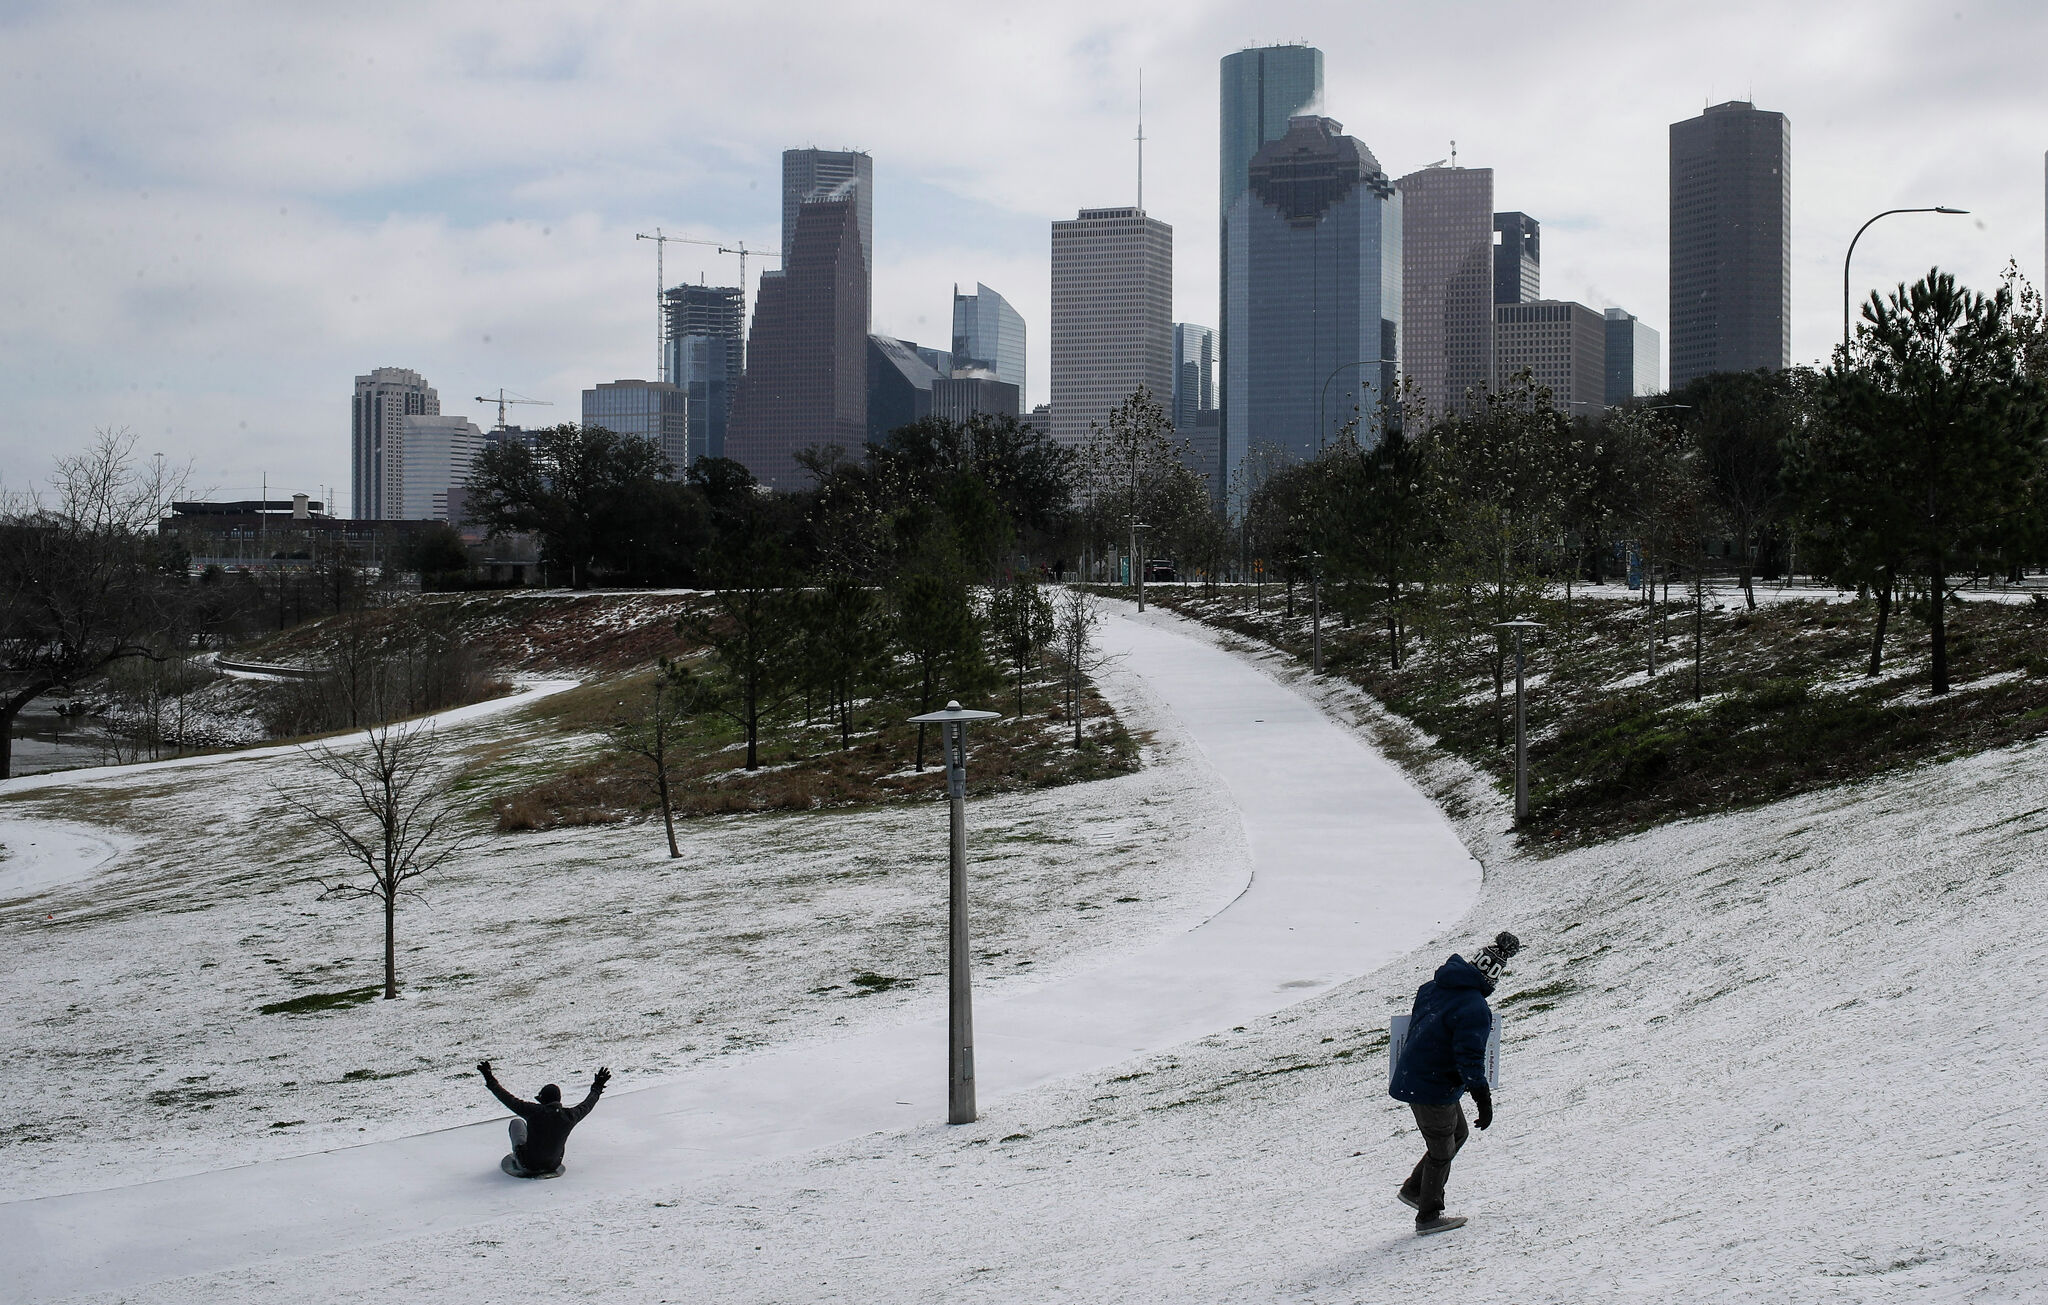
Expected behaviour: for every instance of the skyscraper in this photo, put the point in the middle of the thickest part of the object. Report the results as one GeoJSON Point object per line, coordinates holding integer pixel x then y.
{"type": "Point", "coordinates": [654, 411]}
{"type": "Point", "coordinates": [425, 458]}
{"type": "Point", "coordinates": [899, 386]}
{"type": "Point", "coordinates": [806, 377]}
{"type": "Point", "coordinates": [813, 173]}
{"type": "Point", "coordinates": [1731, 242]}
{"type": "Point", "coordinates": [1112, 315]}
{"type": "Point", "coordinates": [382, 399]}
{"type": "Point", "coordinates": [988, 333]}
{"type": "Point", "coordinates": [1313, 323]}
{"type": "Point", "coordinates": [704, 346]}
{"type": "Point", "coordinates": [1263, 88]}
{"type": "Point", "coordinates": [1517, 259]}
{"type": "Point", "coordinates": [1632, 349]}
{"type": "Point", "coordinates": [1194, 373]}
{"type": "Point", "coordinates": [1447, 280]}
{"type": "Point", "coordinates": [967, 393]}
{"type": "Point", "coordinates": [1564, 347]}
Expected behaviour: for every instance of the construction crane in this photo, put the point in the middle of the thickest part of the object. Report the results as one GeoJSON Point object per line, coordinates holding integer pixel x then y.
{"type": "Point", "coordinates": [660, 240]}
{"type": "Point", "coordinates": [503, 402]}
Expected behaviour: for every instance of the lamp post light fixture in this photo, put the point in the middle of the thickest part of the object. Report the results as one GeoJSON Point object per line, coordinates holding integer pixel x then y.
{"type": "Point", "coordinates": [1521, 718]}
{"type": "Point", "coordinates": [1315, 600]}
{"type": "Point", "coordinates": [1322, 397]}
{"type": "Point", "coordinates": [959, 991]}
{"type": "Point", "coordinates": [1938, 208]}
{"type": "Point", "coordinates": [1138, 529]}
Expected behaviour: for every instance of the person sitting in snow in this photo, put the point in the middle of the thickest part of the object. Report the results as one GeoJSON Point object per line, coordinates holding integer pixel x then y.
{"type": "Point", "coordinates": [541, 1130]}
{"type": "Point", "coordinates": [1444, 1058]}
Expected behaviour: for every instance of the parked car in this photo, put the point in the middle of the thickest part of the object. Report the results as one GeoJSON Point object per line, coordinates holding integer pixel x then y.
{"type": "Point", "coordinates": [1161, 568]}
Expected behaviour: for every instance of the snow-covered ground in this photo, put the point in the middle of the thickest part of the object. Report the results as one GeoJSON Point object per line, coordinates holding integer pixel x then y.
{"type": "Point", "coordinates": [1789, 1054]}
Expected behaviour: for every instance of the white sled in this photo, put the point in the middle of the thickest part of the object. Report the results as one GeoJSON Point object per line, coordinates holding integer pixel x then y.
{"type": "Point", "coordinates": [1397, 1038]}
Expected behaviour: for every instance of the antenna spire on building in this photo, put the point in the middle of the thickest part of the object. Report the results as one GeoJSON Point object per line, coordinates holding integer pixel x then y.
{"type": "Point", "coordinates": [1454, 154]}
{"type": "Point", "coordinates": [1141, 140]}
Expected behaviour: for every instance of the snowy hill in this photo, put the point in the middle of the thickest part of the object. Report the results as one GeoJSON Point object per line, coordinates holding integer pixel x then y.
{"type": "Point", "coordinates": [1786, 1054]}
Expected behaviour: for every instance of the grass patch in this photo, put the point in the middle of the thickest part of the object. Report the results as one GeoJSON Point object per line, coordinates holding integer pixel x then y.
{"type": "Point", "coordinates": [315, 1003]}
{"type": "Point", "coordinates": [1783, 708]}
{"type": "Point", "coordinates": [870, 983]}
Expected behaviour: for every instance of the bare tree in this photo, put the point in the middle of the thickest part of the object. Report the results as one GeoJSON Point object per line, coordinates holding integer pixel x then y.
{"type": "Point", "coordinates": [1076, 618]}
{"type": "Point", "coordinates": [84, 578]}
{"type": "Point", "coordinates": [649, 735]}
{"type": "Point", "coordinates": [396, 819]}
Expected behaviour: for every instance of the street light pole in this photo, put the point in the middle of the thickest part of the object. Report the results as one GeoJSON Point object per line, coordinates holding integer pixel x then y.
{"type": "Point", "coordinates": [960, 1108]}
{"type": "Point", "coordinates": [1138, 559]}
{"type": "Point", "coordinates": [1324, 395]}
{"type": "Point", "coordinates": [1938, 208]}
{"type": "Point", "coordinates": [1315, 598]}
{"type": "Point", "coordinates": [1521, 720]}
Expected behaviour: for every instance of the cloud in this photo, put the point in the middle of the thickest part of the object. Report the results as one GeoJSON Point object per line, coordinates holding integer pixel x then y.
{"type": "Point", "coordinates": [216, 215]}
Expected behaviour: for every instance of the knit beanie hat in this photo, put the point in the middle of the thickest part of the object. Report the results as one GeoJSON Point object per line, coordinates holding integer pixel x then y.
{"type": "Point", "coordinates": [1493, 958]}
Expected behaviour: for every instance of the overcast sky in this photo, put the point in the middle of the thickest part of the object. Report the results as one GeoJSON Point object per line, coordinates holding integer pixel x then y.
{"type": "Point", "coordinates": [213, 216]}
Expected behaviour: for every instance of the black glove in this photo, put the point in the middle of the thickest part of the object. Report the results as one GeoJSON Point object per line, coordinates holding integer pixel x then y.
{"type": "Point", "coordinates": [1482, 1097]}
{"type": "Point", "coordinates": [483, 1067]}
{"type": "Point", "coordinates": [602, 1077]}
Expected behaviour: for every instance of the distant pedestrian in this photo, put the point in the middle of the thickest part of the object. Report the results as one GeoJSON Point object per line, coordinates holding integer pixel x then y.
{"type": "Point", "coordinates": [1443, 1058]}
{"type": "Point", "coordinates": [541, 1130]}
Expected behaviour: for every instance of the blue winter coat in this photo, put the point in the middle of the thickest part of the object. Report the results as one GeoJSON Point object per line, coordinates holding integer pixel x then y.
{"type": "Point", "coordinates": [1445, 1054]}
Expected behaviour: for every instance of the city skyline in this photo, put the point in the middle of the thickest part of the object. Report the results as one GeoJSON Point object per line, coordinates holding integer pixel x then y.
{"type": "Point", "coordinates": [228, 243]}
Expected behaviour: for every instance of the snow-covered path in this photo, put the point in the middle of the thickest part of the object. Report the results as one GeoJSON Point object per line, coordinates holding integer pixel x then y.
{"type": "Point", "coordinates": [1352, 867]}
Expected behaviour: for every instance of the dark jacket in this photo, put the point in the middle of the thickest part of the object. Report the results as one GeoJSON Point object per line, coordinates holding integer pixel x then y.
{"type": "Point", "coordinates": [547, 1126]}
{"type": "Point", "coordinates": [1445, 1055]}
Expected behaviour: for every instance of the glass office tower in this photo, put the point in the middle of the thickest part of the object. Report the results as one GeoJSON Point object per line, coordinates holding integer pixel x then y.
{"type": "Point", "coordinates": [1731, 242]}
{"type": "Point", "coordinates": [704, 344]}
{"type": "Point", "coordinates": [988, 333]}
{"type": "Point", "coordinates": [1263, 88]}
{"type": "Point", "coordinates": [1447, 285]}
{"type": "Point", "coordinates": [654, 411]}
{"type": "Point", "coordinates": [1313, 323]}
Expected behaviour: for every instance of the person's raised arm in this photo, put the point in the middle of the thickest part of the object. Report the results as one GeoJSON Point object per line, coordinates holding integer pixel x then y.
{"type": "Point", "coordinates": [512, 1103]}
{"type": "Point", "coordinates": [597, 1086]}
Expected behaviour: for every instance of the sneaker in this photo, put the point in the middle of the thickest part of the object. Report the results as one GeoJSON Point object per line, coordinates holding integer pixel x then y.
{"type": "Point", "coordinates": [1438, 1222]}
{"type": "Point", "coordinates": [1407, 1198]}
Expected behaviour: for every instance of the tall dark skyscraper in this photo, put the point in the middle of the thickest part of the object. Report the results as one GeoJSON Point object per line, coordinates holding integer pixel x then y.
{"type": "Point", "coordinates": [704, 336]}
{"type": "Point", "coordinates": [1447, 285]}
{"type": "Point", "coordinates": [1731, 242]}
{"type": "Point", "coordinates": [1517, 259]}
{"type": "Point", "coordinates": [807, 377]}
{"type": "Point", "coordinates": [811, 173]}
{"type": "Point", "coordinates": [1314, 315]}
{"type": "Point", "coordinates": [1263, 89]}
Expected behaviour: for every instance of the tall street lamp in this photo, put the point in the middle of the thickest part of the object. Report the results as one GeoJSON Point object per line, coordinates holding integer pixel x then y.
{"type": "Point", "coordinates": [1938, 208]}
{"type": "Point", "coordinates": [1521, 719]}
{"type": "Point", "coordinates": [959, 991]}
{"type": "Point", "coordinates": [1138, 529]}
{"type": "Point", "coordinates": [1315, 598]}
{"type": "Point", "coordinates": [1322, 425]}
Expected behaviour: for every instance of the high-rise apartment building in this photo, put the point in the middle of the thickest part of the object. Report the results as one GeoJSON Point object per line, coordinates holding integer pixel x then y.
{"type": "Point", "coordinates": [1112, 316]}
{"type": "Point", "coordinates": [382, 399]}
{"type": "Point", "coordinates": [1632, 358]}
{"type": "Point", "coordinates": [844, 174]}
{"type": "Point", "coordinates": [654, 411]}
{"type": "Point", "coordinates": [1263, 89]}
{"type": "Point", "coordinates": [1314, 320]}
{"type": "Point", "coordinates": [1194, 373]}
{"type": "Point", "coordinates": [1731, 242]}
{"type": "Point", "coordinates": [1447, 285]}
{"type": "Point", "coordinates": [426, 459]}
{"type": "Point", "coordinates": [989, 334]}
{"type": "Point", "coordinates": [807, 377]}
{"type": "Point", "coordinates": [705, 330]}
{"type": "Point", "coordinates": [1517, 259]}
{"type": "Point", "coordinates": [1564, 347]}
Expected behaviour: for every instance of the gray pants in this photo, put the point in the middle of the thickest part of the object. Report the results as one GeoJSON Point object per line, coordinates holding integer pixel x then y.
{"type": "Point", "coordinates": [517, 1128]}
{"type": "Point", "coordinates": [1443, 1134]}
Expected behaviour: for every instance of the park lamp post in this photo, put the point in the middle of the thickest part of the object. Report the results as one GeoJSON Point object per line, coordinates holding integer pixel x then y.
{"type": "Point", "coordinates": [1138, 529]}
{"type": "Point", "coordinates": [1938, 208]}
{"type": "Point", "coordinates": [1521, 718]}
{"type": "Point", "coordinates": [960, 993]}
{"type": "Point", "coordinates": [1315, 602]}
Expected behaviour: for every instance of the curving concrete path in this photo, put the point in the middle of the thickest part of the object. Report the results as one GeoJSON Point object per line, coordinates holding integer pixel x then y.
{"type": "Point", "coordinates": [1351, 867]}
